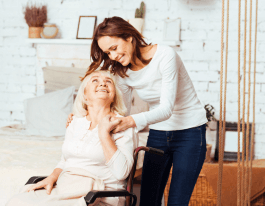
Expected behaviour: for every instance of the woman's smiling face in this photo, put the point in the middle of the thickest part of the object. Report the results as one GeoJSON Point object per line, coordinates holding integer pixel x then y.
{"type": "Point", "coordinates": [100, 86]}
{"type": "Point", "coordinates": [117, 49]}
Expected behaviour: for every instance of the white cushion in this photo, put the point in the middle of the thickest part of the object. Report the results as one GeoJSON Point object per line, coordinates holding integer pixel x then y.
{"type": "Point", "coordinates": [46, 115]}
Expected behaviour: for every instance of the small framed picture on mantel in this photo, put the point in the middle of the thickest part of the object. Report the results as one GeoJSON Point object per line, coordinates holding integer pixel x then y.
{"type": "Point", "coordinates": [86, 27]}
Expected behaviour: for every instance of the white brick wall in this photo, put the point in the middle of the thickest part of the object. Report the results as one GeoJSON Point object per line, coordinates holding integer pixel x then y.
{"type": "Point", "coordinates": [21, 76]}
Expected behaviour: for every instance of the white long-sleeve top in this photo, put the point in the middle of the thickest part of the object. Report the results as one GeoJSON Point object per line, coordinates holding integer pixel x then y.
{"type": "Point", "coordinates": [166, 86]}
{"type": "Point", "coordinates": [82, 149]}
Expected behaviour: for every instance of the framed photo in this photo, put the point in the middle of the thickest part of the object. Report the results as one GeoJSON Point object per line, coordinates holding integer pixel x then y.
{"type": "Point", "coordinates": [231, 141]}
{"type": "Point", "coordinates": [86, 27]}
{"type": "Point", "coordinates": [172, 30]}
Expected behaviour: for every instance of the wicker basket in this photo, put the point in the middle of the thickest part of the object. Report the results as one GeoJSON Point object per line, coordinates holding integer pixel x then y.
{"type": "Point", "coordinates": [203, 194]}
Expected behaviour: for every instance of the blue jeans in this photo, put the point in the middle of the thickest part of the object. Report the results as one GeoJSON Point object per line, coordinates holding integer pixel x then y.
{"type": "Point", "coordinates": [185, 149]}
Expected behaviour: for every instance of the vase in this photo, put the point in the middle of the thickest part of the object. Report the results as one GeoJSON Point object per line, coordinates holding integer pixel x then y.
{"type": "Point", "coordinates": [34, 32]}
{"type": "Point", "coordinates": [137, 23]}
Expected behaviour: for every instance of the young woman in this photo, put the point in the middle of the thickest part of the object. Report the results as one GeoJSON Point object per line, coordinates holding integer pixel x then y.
{"type": "Point", "coordinates": [92, 157]}
{"type": "Point", "coordinates": [176, 117]}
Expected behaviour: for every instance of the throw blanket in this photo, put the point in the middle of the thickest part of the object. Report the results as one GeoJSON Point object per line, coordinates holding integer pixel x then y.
{"type": "Point", "coordinates": [71, 187]}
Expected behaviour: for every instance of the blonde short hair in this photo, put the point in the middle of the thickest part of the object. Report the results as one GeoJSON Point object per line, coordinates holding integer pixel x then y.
{"type": "Point", "coordinates": [80, 105]}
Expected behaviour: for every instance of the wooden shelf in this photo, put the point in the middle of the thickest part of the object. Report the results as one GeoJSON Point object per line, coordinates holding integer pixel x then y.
{"type": "Point", "coordinates": [89, 41]}
{"type": "Point", "coordinates": [60, 41]}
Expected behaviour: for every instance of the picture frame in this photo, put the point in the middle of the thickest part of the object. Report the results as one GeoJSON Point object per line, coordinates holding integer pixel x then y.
{"type": "Point", "coordinates": [231, 141]}
{"type": "Point", "coordinates": [86, 27]}
{"type": "Point", "coordinates": [171, 30]}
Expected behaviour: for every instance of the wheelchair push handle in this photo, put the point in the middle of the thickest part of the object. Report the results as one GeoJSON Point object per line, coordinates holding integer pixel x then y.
{"type": "Point", "coordinates": [148, 149]}
{"type": "Point", "coordinates": [156, 151]}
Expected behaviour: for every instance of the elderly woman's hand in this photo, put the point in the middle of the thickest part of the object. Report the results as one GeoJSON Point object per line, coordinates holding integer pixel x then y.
{"type": "Point", "coordinates": [69, 119]}
{"type": "Point", "coordinates": [47, 183]}
{"type": "Point", "coordinates": [106, 125]}
{"type": "Point", "coordinates": [126, 122]}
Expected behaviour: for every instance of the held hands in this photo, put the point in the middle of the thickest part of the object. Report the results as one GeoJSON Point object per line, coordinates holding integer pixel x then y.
{"type": "Point", "coordinates": [125, 123]}
{"type": "Point", "coordinates": [47, 183]}
{"type": "Point", "coordinates": [106, 125]}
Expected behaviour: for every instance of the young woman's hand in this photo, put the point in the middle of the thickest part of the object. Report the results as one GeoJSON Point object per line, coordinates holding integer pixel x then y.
{"type": "Point", "coordinates": [47, 183]}
{"type": "Point", "coordinates": [69, 119]}
{"type": "Point", "coordinates": [126, 122]}
{"type": "Point", "coordinates": [106, 125]}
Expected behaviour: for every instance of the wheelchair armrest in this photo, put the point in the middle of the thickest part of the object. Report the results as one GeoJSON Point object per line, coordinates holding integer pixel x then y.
{"type": "Point", "coordinates": [35, 179]}
{"type": "Point", "coordinates": [94, 194]}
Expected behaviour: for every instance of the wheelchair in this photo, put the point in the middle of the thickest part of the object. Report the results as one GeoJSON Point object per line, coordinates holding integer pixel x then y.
{"type": "Point", "coordinates": [131, 198]}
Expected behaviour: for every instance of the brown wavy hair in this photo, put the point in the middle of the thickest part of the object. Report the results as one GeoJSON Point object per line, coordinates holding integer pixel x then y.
{"type": "Point", "coordinates": [115, 27]}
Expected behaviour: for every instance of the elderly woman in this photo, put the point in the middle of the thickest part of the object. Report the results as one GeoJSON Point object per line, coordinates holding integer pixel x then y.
{"type": "Point", "coordinates": [92, 157]}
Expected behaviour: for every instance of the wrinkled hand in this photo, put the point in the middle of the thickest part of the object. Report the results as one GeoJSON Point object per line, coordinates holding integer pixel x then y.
{"type": "Point", "coordinates": [107, 124]}
{"type": "Point", "coordinates": [69, 119]}
{"type": "Point", "coordinates": [126, 122]}
{"type": "Point", "coordinates": [47, 183]}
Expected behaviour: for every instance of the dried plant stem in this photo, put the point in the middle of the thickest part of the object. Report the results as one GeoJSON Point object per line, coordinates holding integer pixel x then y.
{"type": "Point", "coordinates": [35, 16]}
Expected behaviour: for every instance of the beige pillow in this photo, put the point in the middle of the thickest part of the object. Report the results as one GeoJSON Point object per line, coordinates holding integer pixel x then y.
{"type": "Point", "coordinates": [56, 78]}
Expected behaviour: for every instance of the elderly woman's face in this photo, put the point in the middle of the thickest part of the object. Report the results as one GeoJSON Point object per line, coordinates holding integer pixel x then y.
{"type": "Point", "coordinates": [100, 86]}
{"type": "Point", "coordinates": [117, 48]}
